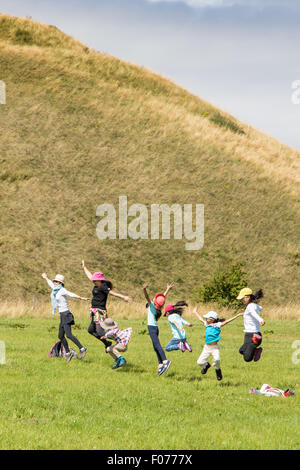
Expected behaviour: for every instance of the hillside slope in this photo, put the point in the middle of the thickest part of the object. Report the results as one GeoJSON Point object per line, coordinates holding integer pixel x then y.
{"type": "Point", "coordinates": [81, 128]}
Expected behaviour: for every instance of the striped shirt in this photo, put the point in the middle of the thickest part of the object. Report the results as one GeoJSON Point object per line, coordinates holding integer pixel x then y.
{"type": "Point", "coordinates": [121, 337]}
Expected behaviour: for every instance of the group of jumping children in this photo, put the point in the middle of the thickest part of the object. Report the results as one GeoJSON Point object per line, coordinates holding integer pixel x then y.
{"type": "Point", "coordinates": [106, 330]}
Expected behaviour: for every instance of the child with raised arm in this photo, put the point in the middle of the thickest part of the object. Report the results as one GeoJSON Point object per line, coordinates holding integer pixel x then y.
{"type": "Point", "coordinates": [213, 325]}
{"type": "Point", "coordinates": [59, 300]}
{"type": "Point", "coordinates": [177, 322]}
{"type": "Point", "coordinates": [98, 312]}
{"type": "Point", "coordinates": [154, 313]}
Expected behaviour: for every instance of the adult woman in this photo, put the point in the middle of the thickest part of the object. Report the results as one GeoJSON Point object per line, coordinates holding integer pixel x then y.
{"type": "Point", "coordinates": [98, 312]}
{"type": "Point", "coordinates": [59, 300]}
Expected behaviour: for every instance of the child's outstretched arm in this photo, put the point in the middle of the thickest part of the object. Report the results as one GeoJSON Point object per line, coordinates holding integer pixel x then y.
{"type": "Point", "coordinates": [231, 319]}
{"type": "Point", "coordinates": [169, 287]}
{"type": "Point", "coordinates": [87, 272]}
{"type": "Point", "coordinates": [145, 285]}
{"type": "Point", "coordinates": [186, 322]}
{"type": "Point", "coordinates": [198, 316]}
{"type": "Point", "coordinates": [75, 296]}
{"type": "Point", "coordinates": [126, 298]}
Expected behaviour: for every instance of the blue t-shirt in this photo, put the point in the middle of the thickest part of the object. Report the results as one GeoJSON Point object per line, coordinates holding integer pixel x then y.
{"type": "Point", "coordinates": [152, 315]}
{"type": "Point", "coordinates": [174, 317]}
{"type": "Point", "coordinates": [212, 332]}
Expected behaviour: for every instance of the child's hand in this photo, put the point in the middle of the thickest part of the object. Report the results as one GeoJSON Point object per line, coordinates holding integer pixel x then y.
{"type": "Point", "coordinates": [170, 286]}
{"type": "Point", "coordinates": [145, 285]}
{"type": "Point", "coordinates": [44, 276]}
{"type": "Point", "coordinates": [83, 263]}
{"type": "Point", "coordinates": [127, 298]}
{"type": "Point", "coordinates": [262, 322]}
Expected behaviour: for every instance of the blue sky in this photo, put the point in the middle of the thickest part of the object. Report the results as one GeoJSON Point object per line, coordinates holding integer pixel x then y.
{"type": "Point", "coordinates": [241, 55]}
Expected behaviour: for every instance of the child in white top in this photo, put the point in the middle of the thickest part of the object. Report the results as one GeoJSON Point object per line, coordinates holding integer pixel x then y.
{"type": "Point", "coordinates": [213, 325]}
{"type": "Point", "coordinates": [252, 322]}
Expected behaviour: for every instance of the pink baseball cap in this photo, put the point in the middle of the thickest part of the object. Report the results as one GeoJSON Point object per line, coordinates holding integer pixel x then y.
{"type": "Point", "coordinates": [159, 300]}
{"type": "Point", "coordinates": [168, 308]}
{"type": "Point", "coordinates": [98, 277]}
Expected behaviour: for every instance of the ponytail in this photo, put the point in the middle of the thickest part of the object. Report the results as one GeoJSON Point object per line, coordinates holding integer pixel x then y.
{"type": "Point", "coordinates": [178, 307]}
{"type": "Point", "coordinates": [256, 296]}
{"type": "Point", "coordinates": [108, 284]}
{"type": "Point", "coordinates": [181, 303]}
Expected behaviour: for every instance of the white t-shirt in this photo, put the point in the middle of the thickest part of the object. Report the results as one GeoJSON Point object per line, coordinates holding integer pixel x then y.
{"type": "Point", "coordinates": [61, 297]}
{"type": "Point", "coordinates": [252, 318]}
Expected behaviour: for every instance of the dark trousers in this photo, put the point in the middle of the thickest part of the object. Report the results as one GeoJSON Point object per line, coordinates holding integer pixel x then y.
{"type": "Point", "coordinates": [96, 330]}
{"type": "Point", "coordinates": [154, 332]}
{"type": "Point", "coordinates": [66, 320]}
{"type": "Point", "coordinates": [248, 348]}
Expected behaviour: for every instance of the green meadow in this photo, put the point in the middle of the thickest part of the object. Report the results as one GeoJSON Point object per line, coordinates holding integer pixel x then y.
{"type": "Point", "coordinates": [50, 404]}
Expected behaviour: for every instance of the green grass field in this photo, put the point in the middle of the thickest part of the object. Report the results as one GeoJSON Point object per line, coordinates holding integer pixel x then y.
{"type": "Point", "coordinates": [50, 404]}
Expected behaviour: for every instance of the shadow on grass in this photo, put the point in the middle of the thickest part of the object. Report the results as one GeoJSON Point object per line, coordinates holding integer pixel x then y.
{"type": "Point", "coordinates": [13, 325]}
{"type": "Point", "coordinates": [230, 384]}
{"type": "Point", "coordinates": [132, 368]}
{"type": "Point", "coordinates": [181, 378]}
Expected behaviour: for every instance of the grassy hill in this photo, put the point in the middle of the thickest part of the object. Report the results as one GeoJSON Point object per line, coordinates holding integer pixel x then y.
{"type": "Point", "coordinates": [81, 128]}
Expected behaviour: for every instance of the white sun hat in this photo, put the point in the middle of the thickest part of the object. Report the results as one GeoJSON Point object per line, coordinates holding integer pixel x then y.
{"type": "Point", "coordinates": [59, 278]}
{"type": "Point", "coordinates": [211, 314]}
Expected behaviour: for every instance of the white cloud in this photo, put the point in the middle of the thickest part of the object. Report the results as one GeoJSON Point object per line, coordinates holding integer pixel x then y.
{"type": "Point", "coordinates": [230, 3]}
{"type": "Point", "coordinates": [198, 3]}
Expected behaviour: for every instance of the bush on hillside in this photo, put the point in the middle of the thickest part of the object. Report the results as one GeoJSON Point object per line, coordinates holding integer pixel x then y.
{"type": "Point", "coordinates": [22, 36]}
{"type": "Point", "coordinates": [223, 121]}
{"type": "Point", "coordinates": [223, 287]}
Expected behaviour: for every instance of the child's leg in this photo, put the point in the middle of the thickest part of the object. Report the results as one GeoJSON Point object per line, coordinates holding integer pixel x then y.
{"type": "Point", "coordinates": [113, 353]}
{"type": "Point", "coordinates": [70, 336]}
{"type": "Point", "coordinates": [101, 332]}
{"type": "Point", "coordinates": [215, 352]}
{"type": "Point", "coordinates": [61, 336]}
{"type": "Point", "coordinates": [187, 346]}
{"type": "Point", "coordinates": [202, 360]}
{"type": "Point", "coordinates": [116, 350]}
{"type": "Point", "coordinates": [173, 345]}
{"type": "Point", "coordinates": [153, 332]}
{"type": "Point", "coordinates": [97, 331]}
{"type": "Point", "coordinates": [249, 347]}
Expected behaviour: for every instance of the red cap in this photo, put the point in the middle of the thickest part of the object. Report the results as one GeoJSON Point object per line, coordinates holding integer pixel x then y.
{"type": "Point", "coordinates": [159, 300]}
{"type": "Point", "coordinates": [168, 308]}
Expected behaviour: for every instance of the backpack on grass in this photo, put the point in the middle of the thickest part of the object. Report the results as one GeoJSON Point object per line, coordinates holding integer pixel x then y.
{"type": "Point", "coordinates": [58, 350]}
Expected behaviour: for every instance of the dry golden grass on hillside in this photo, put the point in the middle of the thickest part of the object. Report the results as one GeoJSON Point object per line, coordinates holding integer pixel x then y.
{"type": "Point", "coordinates": [74, 115]}
{"type": "Point", "coordinates": [276, 160]}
